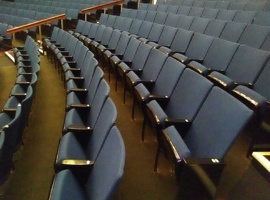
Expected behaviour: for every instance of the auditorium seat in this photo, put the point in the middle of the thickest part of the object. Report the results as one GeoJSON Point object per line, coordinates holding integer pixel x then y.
{"type": "Point", "coordinates": [185, 22]}
{"type": "Point", "coordinates": [226, 15]}
{"type": "Point", "coordinates": [146, 73]}
{"type": "Point", "coordinates": [217, 58]}
{"type": "Point", "coordinates": [180, 42]}
{"type": "Point", "coordinates": [81, 119]}
{"type": "Point", "coordinates": [183, 10]}
{"type": "Point", "coordinates": [244, 68]}
{"type": "Point", "coordinates": [160, 17]}
{"type": "Point", "coordinates": [181, 107]}
{"type": "Point", "coordinates": [233, 31]}
{"type": "Point", "coordinates": [86, 145]}
{"type": "Point", "coordinates": [134, 58]}
{"type": "Point", "coordinates": [244, 16]}
{"type": "Point", "coordinates": [105, 176]}
{"type": "Point", "coordinates": [161, 88]}
{"type": "Point", "coordinates": [196, 50]}
{"type": "Point", "coordinates": [202, 148]}
{"type": "Point", "coordinates": [209, 13]}
{"type": "Point", "coordinates": [199, 24]}
{"type": "Point", "coordinates": [171, 20]}
{"type": "Point", "coordinates": [26, 102]}
{"type": "Point", "coordinates": [84, 95]}
{"type": "Point", "coordinates": [254, 35]}
{"type": "Point", "coordinates": [262, 18]}
{"type": "Point", "coordinates": [215, 27]}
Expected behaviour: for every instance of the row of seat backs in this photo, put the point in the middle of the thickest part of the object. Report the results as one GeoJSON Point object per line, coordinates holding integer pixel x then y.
{"type": "Point", "coordinates": [250, 34]}
{"type": "Point", "coordinates": [19, 102]}
{"type": "Point", "coordinates": [231, 5]}
{"type": "Point", "coordinates": [37, 14]}
{"type": "Point", "coordinates": [220, 45]}
{"type": "Point", "coordinates": [254, 17]}
{"type": "Point", "coordinates": [199, 46]}
{"type": "Point", "coordinates": [101, 118]}
{"type": "Point", "coordinates": [53, 4]}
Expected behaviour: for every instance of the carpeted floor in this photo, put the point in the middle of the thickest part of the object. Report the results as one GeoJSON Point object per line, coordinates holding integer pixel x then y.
{"type": "Point", "coordinates": [34, 161]}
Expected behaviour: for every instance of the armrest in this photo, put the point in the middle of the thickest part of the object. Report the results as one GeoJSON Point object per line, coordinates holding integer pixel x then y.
{"type": "Point", "coordinates": [81, 90]}
{"type": "Point", "coordinates": [182, 125]}
{"type": "Point", "coordinates": [80, 168]}
{"type": "Point", "coordinates": [73, 162]}
{"type": "Point", "coordinates": [147, 84]}
{"type": "Point", "coordinates": [25, 74]}
{"type": "Point", "coordinates": [75, 78]}
{"type": "Point", "coordinates": [78, 106]}
{"type": "Point", "coordinates": [136, 71]}
{"type": "Point", "coordinates": [80, 129]}
{"type": "Point", "coordinates": [249, 85]}
{"type": "Point", "coordinates": [19, 96]}
{"type": "Point", "coordinates": [72, 64]}
{"type": "Point", "coordinates": [23, 83]}
{"type": "Point", "coordinates": [69, 58]}
{"type": "Point", "coordinates": [162, 100]}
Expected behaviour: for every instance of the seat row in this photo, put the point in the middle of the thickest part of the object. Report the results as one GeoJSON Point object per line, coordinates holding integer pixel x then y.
{"type": "Point", "coordinates": [16, 111]}
{"type": "Point", "coordinates": [254, 17]}
{"type": "Point", "coordinates": [230, 5]}
{"type": "Point", "coordinates": [89, 131]}
{"type": "Point", "coordinates": [250, 34]}
{"type": "Point", "coordinates": [208, 51]}
{"type": "Point", "coordinates": [153, 76]}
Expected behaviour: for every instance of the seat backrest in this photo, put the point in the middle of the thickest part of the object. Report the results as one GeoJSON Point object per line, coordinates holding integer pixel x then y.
{"type": "Point", "coordinates": [86, 28]}
{"type": "Point", "coordinates": [220, 54]}
{"type": "Point", "coordinates": [135, 26]}
{"type": "Point", "coordinates": [244, 16]}
{"type": "Point", "coordinates": [215, 27]}
{"type": "Point", "coordinates": [172, 9]}
{"type": "Point", "coordinates": [114, 39]}
{"type": "Point", "coordinates": [160, 17]}
{"type": "Point", "coordinates": [141, 14]}
{"type": "Point", "coordinates": [188, 95]}
{"type": "Point", "coordinates": [263, 81]}
{"type": "Point", "coordinates": [79, 26]}
{"type": "Point", "coordinates": [172, 20]}
{"type": "Point", "coordinates": [122, 44]}
{"type": "Point", "coordinates": [246, 64]}
{"type": "Point", "coordinates": [118, 22]}
{"type": "Point", "coordinates": [255, 6]}
{"type": "Point", "coordinates": [132, 13]}
{"type": "Point", "coordinates": [141, 56]}
{"type": "Point", "coordinates": [88, 68]}
{"type": "Point", "coordinates": [183, 10]}
{"type": "Point", "coordinates": [237, 5]}
{"type": "Point", "coordinates": [153, 65]}
{"type": "Point", "coordinates": [184, 22]}
{"type": "Point", "coordinates": [155, 32]}
{"type": "Point", "coordinates": [167, 36]}
{"type": "Point", "coordinates": [100, 97]}
{"type": "Point", "coordinates": [106, 36]}
{"type": "Point", "coordinates": [110, 20]}
{"type": "Point", "coordinates": [222, 4]}
{"type": "Point", "coordinates": [254, 35]}
{"type": "Point", "coordinates": [210, 13]}
{"type": "Point", "coordinates": [105, 121]}
{"type": "Point", "coordinates": [217, 124]}
{"type": "Point", "coordinates": [163, 85]}
{"type": "Point", "coordinates": [126, 24]}
{"type": "Point", "coordinates": [262, 18]}
{"type": "Point", "coordinates": [108, 169]}
{"type": "Point", "coordinates": [93, 30]}
{"type": "Point", "coordinates": [131, 49]}
{"type": "Point", "coordinates": [233, 31]}
{"type": "Point", "coordinates": [195, 11]}
{"type": "Point", "coordinates": [103, 18]}
{"type": "Point", "coordinates": [226, 15]}
{"type": "Point", "coordinates": [145, 29]}
{"type": "Point", "coordinates": [199, 46]}
{"type": "Point", "coordinates": [150, 16]}
{"type": "Point", "coordinates": [266, 44]}
{"type": "Point", "coordinates": [199, 24]}
{"type": "Point", "coordinates": [181, 40]}
{"type": "Point", "coordinates": [94, 84]}
{"type": "Point", "coordinates": [210, 4]}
